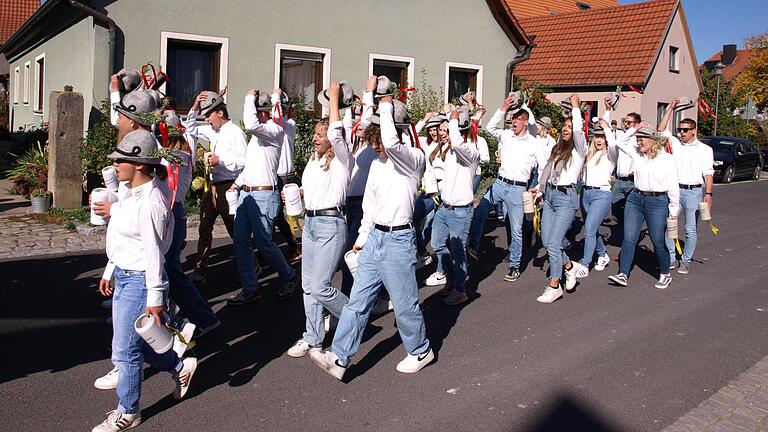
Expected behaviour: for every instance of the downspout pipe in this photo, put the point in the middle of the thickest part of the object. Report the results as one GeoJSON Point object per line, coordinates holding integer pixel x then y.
{"type": "Point", "coordinates": [105, 21]}
{"type": "Point", "coordinates": [521, 56]}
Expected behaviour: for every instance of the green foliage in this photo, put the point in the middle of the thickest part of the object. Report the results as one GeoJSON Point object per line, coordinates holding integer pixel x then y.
{"type": "Point", "coordinates": [98, 142]}
{"type": "Point", "coordinates": [424, 99]}
{"type": "Point", "coordinates": [492, 169]}
{"type": "Point", "coordinates": [727, 123]}
{"type": "Point", "coordinates": [30, 171]}
{"type": "Point", "coordinates": [302, 114]}
{"type": "Point", "coordinates": [39, 193]}
{"type": "Point", "coordinates": [539, 104]}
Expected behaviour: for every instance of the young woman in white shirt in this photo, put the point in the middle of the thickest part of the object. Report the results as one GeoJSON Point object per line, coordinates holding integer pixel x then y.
{"type": "Point", "coordinates": [424, 206]}
{"type": "Point", "coordinates": [324, 187]}
{"type": "Point", "coordinates": [656, 196]}
{"type": "Point", "coordinates": [596, 199]}
{"type": "Point", "coordinates": [138, 235]}
{"type": "Point", "coordinates": [557, 182]}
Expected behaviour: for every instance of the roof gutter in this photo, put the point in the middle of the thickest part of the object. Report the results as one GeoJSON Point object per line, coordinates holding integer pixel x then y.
{"type": "Point", "coordinates": [107, 22]}
{"type": "Point", "coordinates": [521, 56]}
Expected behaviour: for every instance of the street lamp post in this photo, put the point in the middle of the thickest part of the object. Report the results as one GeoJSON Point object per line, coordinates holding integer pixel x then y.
{"type": "Point", "coordinates": [719, 72]}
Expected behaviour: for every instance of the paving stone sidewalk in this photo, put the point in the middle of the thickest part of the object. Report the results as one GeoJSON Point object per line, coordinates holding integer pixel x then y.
{"type": "Point", "coordinates": [742, 405]}
{"type": "Point", "coordinates": [21, 236]}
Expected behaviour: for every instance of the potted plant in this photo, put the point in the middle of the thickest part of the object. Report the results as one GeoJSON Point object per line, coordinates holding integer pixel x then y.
{"type": "Point", "coordinates": [41, 200]}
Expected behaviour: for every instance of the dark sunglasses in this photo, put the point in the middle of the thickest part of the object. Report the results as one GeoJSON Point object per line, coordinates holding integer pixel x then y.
{"type": "Point", "coordinates": [684, 130]}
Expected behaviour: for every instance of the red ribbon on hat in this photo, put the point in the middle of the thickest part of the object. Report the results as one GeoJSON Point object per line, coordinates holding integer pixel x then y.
{"type": "Point", "coordinates": [704, 108]}
{"type": "Point", "coordinates": [151, 77]}
{"type": "Point", "coordinates": [173, 182]}
{"type": "Point", "coordinates": [634, 89]}
{"type": "Point", "coordinates": [279, 114]}
{"type": "Point", "coordinates": [354, 128]}
{"type": "Point", "coordinates": [163, 133]}
{"type": "Point", "coordinates": [473, 129]}
{"type": "Point", "coordinates": [414, 137]}
{"type": "Point", "coordinates": [404, 93]}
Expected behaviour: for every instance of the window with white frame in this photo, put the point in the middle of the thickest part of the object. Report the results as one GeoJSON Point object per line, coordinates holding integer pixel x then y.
{"type": "Point", "coordinates": [461, 78]}
{"type": "Point", "coordinates": [674, 65]}
{"type": "Point", "coordinates": [195, 62]}
{"type": "Point", "coordinates": [398, 69]}
{"type": "Point", "coordinates": [16, 79]}
{"type": "Point", "coordinates": [39, 94]}
{"type": "Point", "coordinates": [302, 72]}
{"type": "Point", "coordinates": [26, 83]}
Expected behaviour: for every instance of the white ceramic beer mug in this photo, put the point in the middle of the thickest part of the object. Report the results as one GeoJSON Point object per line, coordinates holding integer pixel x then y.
{"type": "Point", "coordinates": [293, 204]}
{"type": "Point", "coordinates": [101, 195]}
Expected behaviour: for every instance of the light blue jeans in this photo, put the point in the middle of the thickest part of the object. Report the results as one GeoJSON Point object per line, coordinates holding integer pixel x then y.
{"type": "Point", "coordinates": [388, 258]}
{"type": "Point", "coordinates": [323, 241]}
{"type": "Point", "coordinates": [449, 241]}
{"type": "Point", "coordinates": [596, 204]}
{"type": "Point", "coordinates": [512, 197]}
{"type": "Point", "coordinates": [423, 210]}
{"type": "Point", "coordinates": [653, 210]}
{"type": "Point", "coordinates": [559, 209]}
{"type": "Point", "coordinates": [254, 222]}
{"type": "Point", "coordinates": [129, 351]}
{"type": "Point", "coordinates": [689, 203]}
{"type": "Point", "coordinates": [354, 218]}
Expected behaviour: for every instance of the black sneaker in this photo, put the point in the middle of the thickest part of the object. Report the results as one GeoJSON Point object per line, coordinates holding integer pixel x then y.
{"type": "Point", "coordinates": [286, 289]}
{"type": "Point", "coordinates": [472, 253]}
{"type": "Point", "coordinates": [242, 298]}
{"type": "Point", "coordinates": [512, 275]}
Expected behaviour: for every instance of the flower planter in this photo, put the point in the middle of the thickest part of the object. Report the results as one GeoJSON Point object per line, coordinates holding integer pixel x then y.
{"type": "Point", "coordinates": [40, 204]}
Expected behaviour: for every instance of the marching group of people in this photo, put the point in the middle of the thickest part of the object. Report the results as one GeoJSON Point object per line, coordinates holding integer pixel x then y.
{"type": "Point", "coordinates": [375, 193]}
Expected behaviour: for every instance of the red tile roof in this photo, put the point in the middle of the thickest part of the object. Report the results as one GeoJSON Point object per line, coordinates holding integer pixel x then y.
{"type": "Point", "coordinates": [611, 46]}
{"type": "Point", "coordinates": [13, 13]}
{"type": "Point", "coordinates": [531, 8]}
{"type": "Point", "coordinates": [730, 71]}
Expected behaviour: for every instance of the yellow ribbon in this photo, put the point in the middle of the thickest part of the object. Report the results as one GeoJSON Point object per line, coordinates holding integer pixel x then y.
{"type": "Point", "coordinates": [677, 246]}
{"type": "Point", "coordinates": [295, 223]}
{"type": "Point", "coordinates": [536, 219]}
{"type": "Point", "coordinates": [712, 226]}
{"type": "Point", "coordinates": [207, 180]}
{"type": "Point", "coordinates": [190, 344]}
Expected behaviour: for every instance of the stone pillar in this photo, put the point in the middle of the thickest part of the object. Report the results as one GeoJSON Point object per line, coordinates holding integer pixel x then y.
{"type": "Point", "coordinates": [65, 131]}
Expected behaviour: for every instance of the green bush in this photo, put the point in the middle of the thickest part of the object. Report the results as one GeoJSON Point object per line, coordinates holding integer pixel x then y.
{"type": "Point", "coordinates": [98, 143]}
{"type": "Point", "coordinates": [424, 99]}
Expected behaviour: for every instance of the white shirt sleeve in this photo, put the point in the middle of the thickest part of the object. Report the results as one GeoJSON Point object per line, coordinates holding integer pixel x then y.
{"type": "Point", "coordinates": [153, 218]}
{"type": "Point", "coordinates": [109, 271]}
{"type": "Point", "coordinates": [420, 126]}
{"type": "Point", "coordinates": [579, 140]}
{"type": "Point", "coordinates": [339, 143]}
{"type": "Point", "coordinates": [404, 160]}
{"type": "Point", "coordinates": [494, 124]}
{"type": "Point", "coordinates": [485, 154]}
{"type": "Point", "coordinates": [114, 99]}
{"type": "Point", "coordinates": [707, 162]}
{"type": "Point", "coordinates": [466, 153]}
{"type": "Point", "coordinates": [367, 109]}
{"type": "Point", "coordinates": [366, 224]}
{"type": "Point", "coordinates": [231, 150]}
{"type": "Point", "coordinates": [533, 128]}
{"type": "Point", "coordinates": [673, 188]}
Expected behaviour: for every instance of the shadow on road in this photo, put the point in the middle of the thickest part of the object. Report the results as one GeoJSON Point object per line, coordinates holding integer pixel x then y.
{"type": "Point", "coordinates": [566, 413]}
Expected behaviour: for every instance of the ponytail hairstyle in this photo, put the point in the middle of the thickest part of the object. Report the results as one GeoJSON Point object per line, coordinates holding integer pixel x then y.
{"type": "Point", "coordinates": [158, 171]}
{"type": "Point", "coordinates": [563, 150]}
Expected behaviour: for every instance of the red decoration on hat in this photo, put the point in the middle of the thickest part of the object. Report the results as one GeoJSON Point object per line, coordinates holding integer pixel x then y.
{"type": "Point", "coordinates": [404, 93]}
{"type": "Point", "coordinates": [153, 78]}
{"type": "Point", "coordinates": [173, 182]}
{"type": "Point", "coordinates": [414, 137]}
{"type": "Point", "coordinates": [163, 133]}
{"type": "Point", "coordinates": [473, 129]}
{"type": "Point", "coordinates": [634, 89]}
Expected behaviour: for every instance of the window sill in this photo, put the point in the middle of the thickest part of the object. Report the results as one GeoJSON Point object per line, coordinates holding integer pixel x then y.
{"type": "Point", "coordinates": [674, 71]}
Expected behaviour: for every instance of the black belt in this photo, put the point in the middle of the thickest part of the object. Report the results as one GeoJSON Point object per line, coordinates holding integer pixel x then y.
{"type": "Point", "coordinates": [223, 182]}
{"type": "Point", "coordinates": [561, 188]}
{"type": "Point", "coordinates": [685, 186]}
{"type": "Point", "coordinates": [630, 177]}
{"type": "Point", "coordinates": [648, 193]}
{"type": "Point", "coordinates": [592, 187]}
{"type": "Point", "coordinates": [512, 182]}
{"type": "Point", "coordinates": [355, 198]}
{"type": "Point", "coordinates": [451, 207]}
{"type": "Point", "coordinates": [387, 228]}
{"type": "Point", "coordinates": [335, 211]}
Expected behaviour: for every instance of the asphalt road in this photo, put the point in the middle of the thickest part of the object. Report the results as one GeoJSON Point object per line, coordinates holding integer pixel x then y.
{"type": "Point", "coordinates": [603, 358]}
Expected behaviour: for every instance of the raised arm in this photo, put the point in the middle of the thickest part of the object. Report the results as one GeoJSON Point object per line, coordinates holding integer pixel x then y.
{"type": "Point", "coordinates": [466, 153]}
{"type": "Point", "coordinates": [405, 161]}
{"type": "Point", "coordinates": [579, 140]}
{"type": "Point", "coordinates": [533, 128]}
{"type": "Point", "coordinates": [271, 133]}
{"type": "Point", "coordinates": [336, 128]}
{"type": "Point", "coordinates": [368, 106]}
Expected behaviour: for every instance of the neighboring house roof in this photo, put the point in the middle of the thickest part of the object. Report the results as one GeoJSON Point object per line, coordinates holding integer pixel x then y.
{"type": "Point", "coordinates": [599, 47]}
{"type": "Point", "coordinates": [531, 8]}
{"type": "Point", "coordinates": [730, 71]}
{"type": "Point", "coordinates": [13, 13]}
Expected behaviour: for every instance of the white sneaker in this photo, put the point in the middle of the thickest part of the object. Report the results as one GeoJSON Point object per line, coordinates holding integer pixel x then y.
{"type": "Point", "coordinates": [117, 421]}
{"type": "Point", "coordinates": [184, 377]}
{"type": "Point", "coordinates": [423, 260]}
{"type": "Point", "coordinates": [108, 381]}
{"type": "Point", "coordinates": [414, 363]}
{"type": "Point", "coordinates": [187, 331]}
{"type": "Point", "coordinates": [570, 276]}
{"type": "Point", "coordinates": [664, 281]}
{"type": "Point", "coordinates": [581, 270]}
{"type": "Point", "coordinates": [300, 349]}
{"type": "Point", "coordinates": [329, 362]}
{"type": "Point", "coordinates": [436, 278]}
{"type": "Point", "coordinates": [550, 294]}
{"type": "Point", "coordinates": [602, 262]}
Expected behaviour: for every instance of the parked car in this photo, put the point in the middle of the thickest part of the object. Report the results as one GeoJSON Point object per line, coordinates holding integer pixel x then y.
{"type": "Point", "coordinates": [764, 152]}
{"type": "Point", "coordinates": [734, 158]}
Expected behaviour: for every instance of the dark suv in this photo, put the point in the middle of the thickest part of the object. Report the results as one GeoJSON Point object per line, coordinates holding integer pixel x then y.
{"type": "Point", "coordinates": [734, 157]}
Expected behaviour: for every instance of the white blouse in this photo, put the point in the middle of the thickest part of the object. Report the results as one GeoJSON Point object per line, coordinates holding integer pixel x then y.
{"type": "Point", "coordinates": [324, 189]}
{"type": "Point", "coordinates": [694, 161]}
{"type": "Point", "coordinates": [139, 234]}
{"type": "Point", "coordinates": [263, 154]}
{"type": "Point", "coordinates": [460, 164]}
{"type": "Point", "coordinates": [571, 173]}
{"type": "Point", "coordinates": [518, 154]}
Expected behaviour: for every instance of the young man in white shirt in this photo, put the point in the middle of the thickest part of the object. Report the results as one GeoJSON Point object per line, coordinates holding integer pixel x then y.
{"type": "Point", "coordinates": [259, 201]}
{"type": "Point", "coordinates": [695, 166]}
{"type": "Point", "coordinates": [226, 159]}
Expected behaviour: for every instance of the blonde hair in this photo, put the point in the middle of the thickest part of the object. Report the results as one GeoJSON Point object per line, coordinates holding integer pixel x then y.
{"type": "Point", "coordinates": [329, 155]}
{"type": "Point", "coordinates": [593, 150]}
{"type": "Point", "coordinates": [655, 149]}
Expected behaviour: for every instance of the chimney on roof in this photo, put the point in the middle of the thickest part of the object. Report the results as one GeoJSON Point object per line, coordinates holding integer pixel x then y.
{"type": "Point", "coordinates": [729, 54]}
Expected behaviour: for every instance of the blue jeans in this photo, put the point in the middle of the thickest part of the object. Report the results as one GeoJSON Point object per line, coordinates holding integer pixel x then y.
{"type": "Point", "coordinates": [129, 351]}
{"type": "Point", "coordinates": [476, 183]}
{"type": "Point", "coordinates": [559, 209]}
{"type": "Point", "coordinates": [620, 192]}
{"type": "Point", "coordinates": [512, 197]}
{"type": "Point", "coordinates": [323, 241]}
{"type": "Point", "coordinates": [180, 287]}
{"type": "Point", "coordinates": [354, 218]}
{"type": "Point", "coordinates": [254, 218]}
{"type": "Point", "coordinates": [449, 240]}
{"type": "Point", "coordinates": [654, 211]}
{"type": "Point", "coordinates": [423, 210]}
{"type": "Point", "coordinates": [596, 203]}
{"type": "Point", "coordinates": [689, 203]}
{"type": "Point", "coordinates": [388, 258]}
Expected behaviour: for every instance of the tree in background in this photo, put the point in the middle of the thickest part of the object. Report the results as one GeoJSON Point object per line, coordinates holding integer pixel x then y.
{"type": "Point", "coordinates": [753, 80]}
{"type": "Point", "coordinates": [727, 123]}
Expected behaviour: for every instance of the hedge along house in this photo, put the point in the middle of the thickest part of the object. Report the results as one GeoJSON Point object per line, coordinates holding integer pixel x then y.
{"type": "Point", "coordinates": [244, 44]}
{"type": "Point", "coordinates": [642, 46]}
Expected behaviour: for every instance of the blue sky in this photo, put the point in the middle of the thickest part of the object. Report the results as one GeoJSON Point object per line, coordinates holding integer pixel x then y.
{"type": "Point", "coordinates": [715, 23]}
